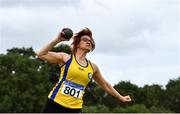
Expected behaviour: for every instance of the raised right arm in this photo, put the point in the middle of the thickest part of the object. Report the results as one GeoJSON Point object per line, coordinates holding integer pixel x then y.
{"type": "Point", "coordinates": [53, 57]}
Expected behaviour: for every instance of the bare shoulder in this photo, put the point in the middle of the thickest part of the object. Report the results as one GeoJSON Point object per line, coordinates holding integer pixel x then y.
{"type": "Point", "coordinates": [65, 56]}
{"type": "Point", "coordinates": [95, 68]}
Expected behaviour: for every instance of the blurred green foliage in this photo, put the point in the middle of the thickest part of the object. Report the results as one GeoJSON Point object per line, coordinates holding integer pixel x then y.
{"type": "Point", "coordinates": [25, 82]}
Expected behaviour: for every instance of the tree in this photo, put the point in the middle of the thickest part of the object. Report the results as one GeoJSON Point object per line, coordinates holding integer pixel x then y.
{"type": "Point", "coordinates": [151, 95]}
{"type": "Point", "coordinates": [25, 80]}
{"type": "Point", "coordinates": [137, 108]}
{"type": "Point", "coordinates": [90, 96]}
{"type": "Point", "coordinates": [95, 109]}
{"type": "Point", "coordinates": [171, 98]}
{"type": "Point", "coordinates": [124, 88]}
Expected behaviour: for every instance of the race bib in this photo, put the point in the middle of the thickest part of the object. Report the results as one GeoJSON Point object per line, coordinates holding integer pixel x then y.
{"type": "Point", "coordinates": [72, 89]}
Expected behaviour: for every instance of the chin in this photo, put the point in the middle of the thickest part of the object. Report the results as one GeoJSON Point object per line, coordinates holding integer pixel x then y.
{"type": "Point", "coordinates": [88, 50]}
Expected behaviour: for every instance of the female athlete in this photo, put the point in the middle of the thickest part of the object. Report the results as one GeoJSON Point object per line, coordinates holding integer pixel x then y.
{"type": "Point", "coordinates": [76, 72]}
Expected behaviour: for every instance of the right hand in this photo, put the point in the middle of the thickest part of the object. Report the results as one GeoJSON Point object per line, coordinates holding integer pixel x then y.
{"type": "Point", "coordinates": [61, 37]}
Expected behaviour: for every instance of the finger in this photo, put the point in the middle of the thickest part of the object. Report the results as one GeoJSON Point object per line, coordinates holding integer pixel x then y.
{"type": "Point", "coordinates": [128, 98]}
{"type": "Point", "coordinates": [62, 33]}
{"type": "Point", "coordinates": [64, 39]}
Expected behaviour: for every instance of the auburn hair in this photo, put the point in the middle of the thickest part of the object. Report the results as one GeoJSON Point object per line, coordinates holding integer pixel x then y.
{"type": "Point", "coordinates": [77, 39]}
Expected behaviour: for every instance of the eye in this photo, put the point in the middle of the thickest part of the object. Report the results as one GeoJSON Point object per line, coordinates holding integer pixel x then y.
{"type": "Point", "coordinates": [85, 40]}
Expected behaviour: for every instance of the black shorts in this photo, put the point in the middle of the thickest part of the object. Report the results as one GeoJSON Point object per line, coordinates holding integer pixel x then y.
{"type": "Point", "coordinates": [53, 107]}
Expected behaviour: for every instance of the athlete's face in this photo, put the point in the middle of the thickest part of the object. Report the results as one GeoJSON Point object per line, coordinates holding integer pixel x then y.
{"type": "Point", "coordinates": [85, 43]}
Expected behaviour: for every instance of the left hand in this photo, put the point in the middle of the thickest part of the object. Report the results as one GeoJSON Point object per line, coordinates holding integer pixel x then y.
{"type": "Point", "coordinates": [126, 98]}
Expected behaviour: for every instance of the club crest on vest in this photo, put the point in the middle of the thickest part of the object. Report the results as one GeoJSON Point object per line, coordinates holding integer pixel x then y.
{"type": "Point", "coordinates": [90, 75]}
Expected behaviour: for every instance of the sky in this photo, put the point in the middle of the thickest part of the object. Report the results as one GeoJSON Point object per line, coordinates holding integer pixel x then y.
{"type": "Point", "coordinates": [136, 40]}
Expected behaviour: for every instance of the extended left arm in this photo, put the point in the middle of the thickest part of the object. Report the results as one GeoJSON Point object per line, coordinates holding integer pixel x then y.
{"type": "Point", "coordinates": [107, 87]}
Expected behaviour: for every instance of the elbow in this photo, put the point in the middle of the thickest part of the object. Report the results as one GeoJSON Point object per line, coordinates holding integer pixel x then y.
{"type": "Point", "coordinates": [38, 55]}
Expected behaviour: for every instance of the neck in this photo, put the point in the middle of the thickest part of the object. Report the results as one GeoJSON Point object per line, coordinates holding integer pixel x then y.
{"type": "Point", "coordinates": [80, 55]}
